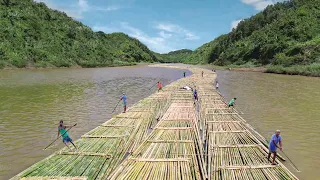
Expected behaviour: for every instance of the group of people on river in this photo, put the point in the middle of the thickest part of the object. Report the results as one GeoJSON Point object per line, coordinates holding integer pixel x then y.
{"type": "Point", "coordinates": [275, 142]}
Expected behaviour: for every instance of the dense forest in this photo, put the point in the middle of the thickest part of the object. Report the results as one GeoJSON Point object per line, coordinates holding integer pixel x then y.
{"type": "Point", "coordinates": [285, 35]}
{"type": "Point", "coordinates": [32, 35]}
{"type": "Point", "coordinates": [178, 56]}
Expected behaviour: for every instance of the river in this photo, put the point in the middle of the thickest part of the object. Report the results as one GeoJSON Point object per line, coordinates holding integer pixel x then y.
{"type": "Point", "coordinates": [33, 101]}
{"type": "Point", "coordinates": [289, 103]}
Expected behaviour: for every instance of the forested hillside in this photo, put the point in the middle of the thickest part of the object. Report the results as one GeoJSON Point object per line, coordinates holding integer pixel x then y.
{"type": "Point", "coordinates": [178, 56]}
{"type": "Point", "coordinates": [285, 34]}
{"type": "Point", "coordinates": [33, 35]}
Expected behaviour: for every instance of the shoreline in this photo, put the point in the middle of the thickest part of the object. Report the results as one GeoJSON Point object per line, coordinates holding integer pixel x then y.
{"type": "Point", "coordinates": [307, 70]}
{"type": "Point", "coordinates": [72, 67]}
{"type": "Point", "coordinates": [312, 70]}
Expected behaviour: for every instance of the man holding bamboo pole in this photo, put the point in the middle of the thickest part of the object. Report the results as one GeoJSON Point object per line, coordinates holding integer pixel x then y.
{"type": "Point", "coordinates": [124, 100]}
{"type": "Point", "coordinates": [159, 86]}
{"type": "Point", "coordinates": [65, 136]}
{"type": "Point", "coordinates": [275, 139]}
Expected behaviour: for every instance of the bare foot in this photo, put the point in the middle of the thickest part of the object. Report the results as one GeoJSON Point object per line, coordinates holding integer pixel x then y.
{"type": "Point", "coordinates": [273, 164]}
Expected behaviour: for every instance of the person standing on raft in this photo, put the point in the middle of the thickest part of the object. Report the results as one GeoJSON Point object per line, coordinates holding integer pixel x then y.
{"type": "Point", "coordinates": [124, 101]}
{"type": "Point", "coordinates": [65, 136]}
{"type": "Point", "coordinates": [195, 94]}
{"type": "Point", "coordinates": [275, 139]}
{"type": "Point", "coordinates": [184, 74]}
{"type": "Point", "coordinates": [232, 102]}
{"type": "Point", "coordinates": [217, 85]}
{"type": "Point", "coordinates": [202, 73]}
{"type": "Point", "coordinates": [159, 86]}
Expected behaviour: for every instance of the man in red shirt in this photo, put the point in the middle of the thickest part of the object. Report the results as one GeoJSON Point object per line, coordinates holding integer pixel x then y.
{"type": "Point", "coordinates": [159, 86]}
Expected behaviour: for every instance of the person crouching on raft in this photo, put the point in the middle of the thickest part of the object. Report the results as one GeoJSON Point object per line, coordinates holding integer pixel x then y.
{"type": "Point", "coordinates": [275, 139]}
{"type": "Point", "coordinates": [124, 101]}
{"type": "Point", "coordinates": [159, 86]}
{"type": "Point", "coordinates": [232, 102]}
{"type": "Point", "coordinates": [65, 136]}
{"type": "Point", "coordinates": [187, 88]}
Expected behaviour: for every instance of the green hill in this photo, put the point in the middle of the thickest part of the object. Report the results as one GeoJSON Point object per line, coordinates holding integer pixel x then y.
{"type": "Point", "coordinates": [174, 56]}
{"type": "Point", "coordinates": [33, 35]}
{"type": "Point", "coordinates": [285, 36]}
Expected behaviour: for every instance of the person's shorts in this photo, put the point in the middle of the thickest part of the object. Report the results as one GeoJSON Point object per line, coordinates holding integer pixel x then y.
{"type": "Point", "coordinates": [230, 105]}
{"type": "Point", "coordinates": [66, 139]}
{"type": "Point", "coordinates": [272, 150]}
{"type": "Point", "coordinates": [160, 89]}
{"type": "Point", "coordinates": [125, 103]}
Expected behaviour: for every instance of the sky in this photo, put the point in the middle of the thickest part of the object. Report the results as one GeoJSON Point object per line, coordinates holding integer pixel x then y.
{"type": "Point", "coordinates": [162, 25]}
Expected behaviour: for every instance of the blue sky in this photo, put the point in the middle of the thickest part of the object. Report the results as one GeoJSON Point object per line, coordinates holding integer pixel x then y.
{"type": "Point", "coordinates": [163, 25]}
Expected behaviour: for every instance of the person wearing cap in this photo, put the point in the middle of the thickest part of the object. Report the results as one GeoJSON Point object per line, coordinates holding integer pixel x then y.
{"type": "Point", "coordinates": [275, 140]}
{"type": "Point", "coordinates": [65, 136]}
{"type": "Point", "coordinates": [124, 100]}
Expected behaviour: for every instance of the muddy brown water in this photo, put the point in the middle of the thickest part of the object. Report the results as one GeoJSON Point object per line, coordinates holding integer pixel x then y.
{"type": "Point", "coordinates": [33, 101]}
{"type": "Point", "coordinates": [289, 103]}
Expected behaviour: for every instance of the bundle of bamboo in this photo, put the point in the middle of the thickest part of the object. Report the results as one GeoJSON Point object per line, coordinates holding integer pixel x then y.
{"type": "Point", "coordinates": [172, 149]}
{"type": "Point", "coordinates": [205, 140]}
{"type": "Point", "coordinates": [235, 150]}
{"type": "Point", "coordinates": [103, 148]}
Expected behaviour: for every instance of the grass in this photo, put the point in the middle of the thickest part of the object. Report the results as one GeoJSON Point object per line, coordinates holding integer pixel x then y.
{"type": "Point", "coordinates": [304, 70]}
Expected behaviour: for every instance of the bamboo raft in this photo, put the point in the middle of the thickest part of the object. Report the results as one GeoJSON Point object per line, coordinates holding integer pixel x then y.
{"type": "Point", "coordinates": [167, 136]}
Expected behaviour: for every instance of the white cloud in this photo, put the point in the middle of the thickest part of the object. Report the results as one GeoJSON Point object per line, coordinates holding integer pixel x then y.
{"type": "Point", "coordinates": [176, 29]}
{"type": "Point", "coordinates": [234, 24]}
{"type": "Point", "coordinates": [164, 34]}
{"type": "Point", "coordinates": [162, 42]}
{"type": "Point", "coordinates": [77, 9]}
{"type": "Point", "coordinates": [260, 4]}
{"type": "Point", "coordinates": [156, 43]}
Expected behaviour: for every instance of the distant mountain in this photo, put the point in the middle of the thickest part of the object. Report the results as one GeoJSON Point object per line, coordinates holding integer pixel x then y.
{"type": "Point", "coordinates": [31, 34]}
{"type": "Point", "coordinates": [178, 56]}
{"type": "Point", "coordinates": [284, 34]}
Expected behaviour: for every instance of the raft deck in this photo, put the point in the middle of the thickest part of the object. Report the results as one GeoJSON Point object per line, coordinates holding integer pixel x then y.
{"type": "Point", "coordinates": [168, 136]}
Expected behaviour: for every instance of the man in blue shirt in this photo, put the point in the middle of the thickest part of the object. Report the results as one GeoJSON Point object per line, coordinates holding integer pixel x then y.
{"type": "Point", "coordinates": [275, 139]}
{"type": "Point", "coordinates": [124, 100]}
{"type": "Point", "coordinates": [195, 95]}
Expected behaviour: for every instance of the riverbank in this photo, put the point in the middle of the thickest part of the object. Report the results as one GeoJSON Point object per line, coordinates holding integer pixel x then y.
{"type": "Point", "coordinates": [77, 66]}
{"type": "Point", "coordinates": [312, 70]}
{"type": "Point", "coordinates": [50, 66]}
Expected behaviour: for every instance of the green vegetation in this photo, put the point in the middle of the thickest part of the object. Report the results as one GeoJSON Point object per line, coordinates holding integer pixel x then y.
{"type": "Point", "coordinates": [32, 35]}
{"type": "Point", "coordinates": [285, 36]}
{"type": "Point", "coordinates": [174, 56]}
{"type": "Point", "coordinates": [305, 70]}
